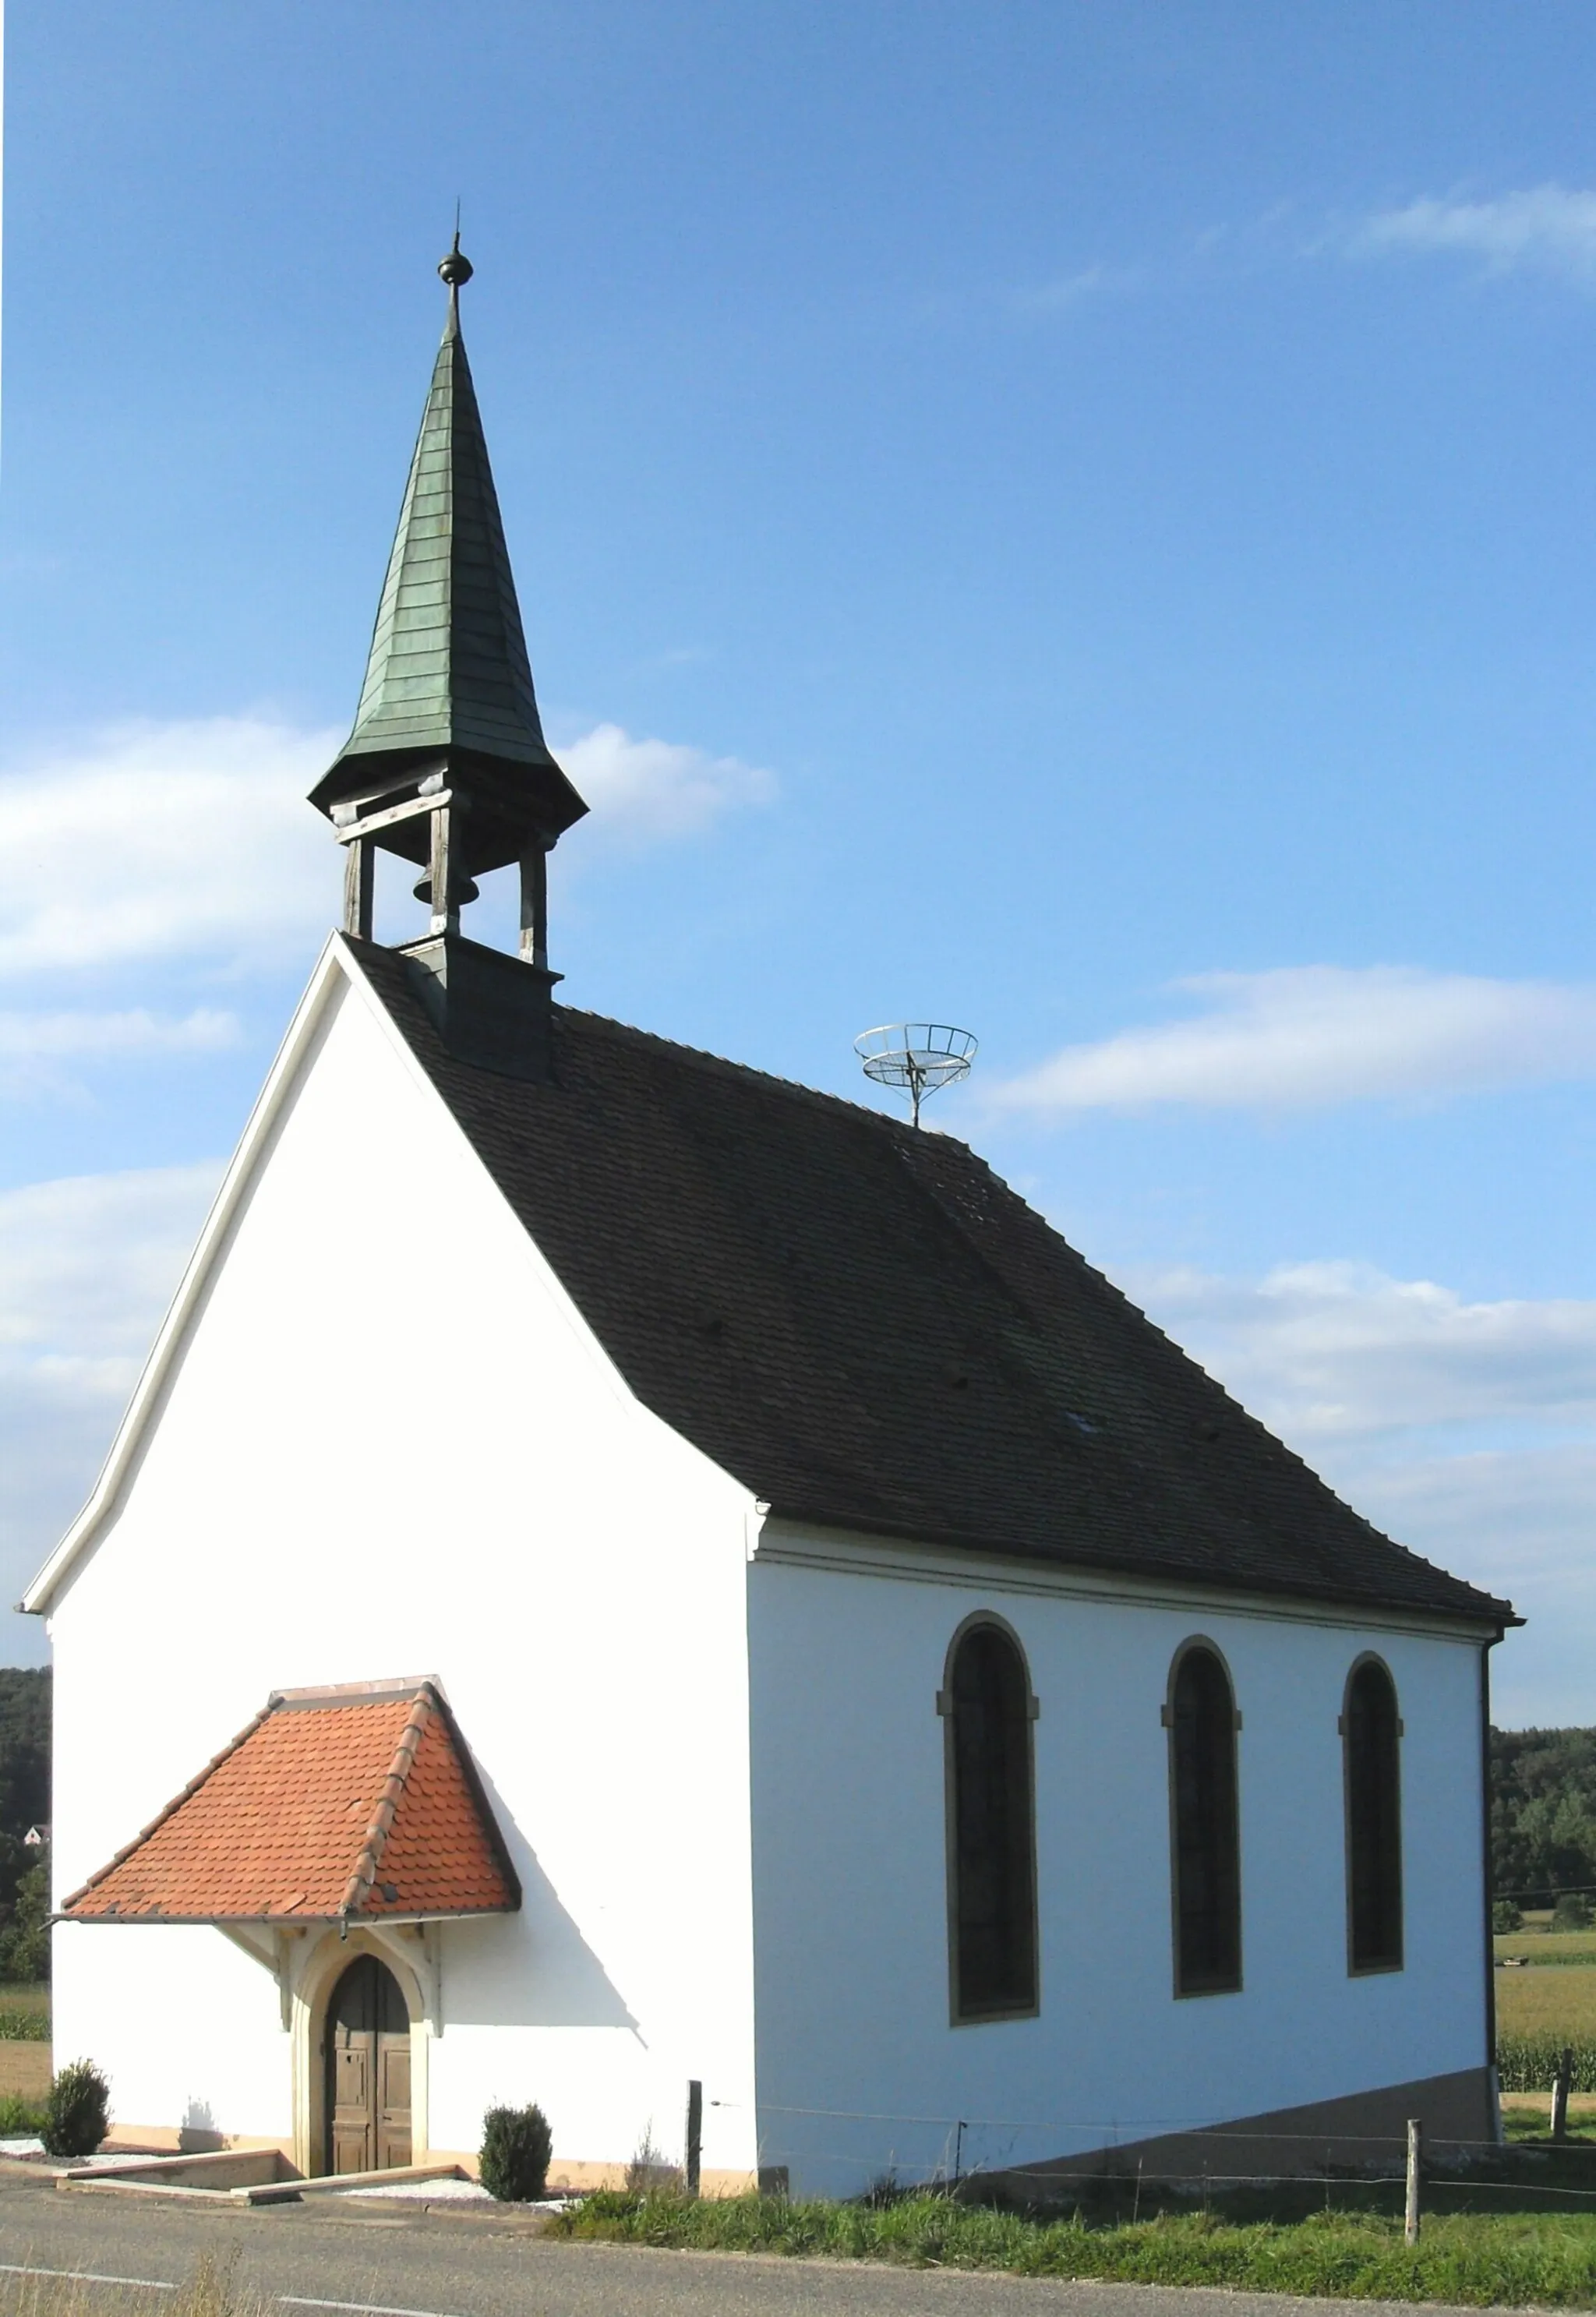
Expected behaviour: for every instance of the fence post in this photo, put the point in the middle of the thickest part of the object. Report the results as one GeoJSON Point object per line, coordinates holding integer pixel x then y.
{"type": "Point", "coordinates": [1415, 2154]}
{"type": "Point", "coordinates": [1562, 2084]}
{"type": "Point", "coordinates": [695, 2132]}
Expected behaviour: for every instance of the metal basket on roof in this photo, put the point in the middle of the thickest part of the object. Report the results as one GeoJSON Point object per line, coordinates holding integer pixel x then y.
{"type": "Point", "coordinates": [917, 1058]}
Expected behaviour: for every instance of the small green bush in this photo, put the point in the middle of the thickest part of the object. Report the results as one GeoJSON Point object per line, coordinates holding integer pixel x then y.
{"type": "Point", "coordinates": [21, 2119]}
{"type": "Point", "coordinates": [1572, 1912]}
{"type": "Point", "coordinates": [1505, 1916]}
{"type": "Point", "coordinates": [516, 2146]}
{"type": "Point", "coordinates": [77, 2114]}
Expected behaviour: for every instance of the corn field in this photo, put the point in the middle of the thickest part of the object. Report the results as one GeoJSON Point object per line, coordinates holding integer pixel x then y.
{"type": "Point", "coordinates": [1527, 2063]}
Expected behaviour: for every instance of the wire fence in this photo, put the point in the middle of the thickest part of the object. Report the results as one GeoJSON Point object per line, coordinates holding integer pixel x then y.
{"type": "Point", "coordinates": [1121, 2159]}
{"type": "Point", "coordinates": [1135, 2127]}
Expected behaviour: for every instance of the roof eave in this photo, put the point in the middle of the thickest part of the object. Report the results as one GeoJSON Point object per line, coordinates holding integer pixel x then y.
{"type": "Point", "coordinates": [1482, 1615]}
{"type": "Point", "coordinates": [291, 1922]}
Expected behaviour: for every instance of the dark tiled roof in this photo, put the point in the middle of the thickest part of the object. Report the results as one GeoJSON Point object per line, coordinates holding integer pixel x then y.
{"type": "Point", "coordinates": [870, 1330]}
{"type": "Point", "coordinates": [347, 1805]}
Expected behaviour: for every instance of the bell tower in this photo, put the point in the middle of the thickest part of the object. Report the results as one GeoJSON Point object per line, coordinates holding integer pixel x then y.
{"type": "Point", "coordinates": [447, 765]}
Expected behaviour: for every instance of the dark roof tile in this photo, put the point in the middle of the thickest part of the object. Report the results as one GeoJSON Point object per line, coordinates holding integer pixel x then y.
{"type": "Point", "coordinates": [870, 1330]}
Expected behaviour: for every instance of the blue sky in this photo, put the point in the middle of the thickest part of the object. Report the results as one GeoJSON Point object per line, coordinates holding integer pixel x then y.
{"type": "Point", "coordinates": [1078, 522]}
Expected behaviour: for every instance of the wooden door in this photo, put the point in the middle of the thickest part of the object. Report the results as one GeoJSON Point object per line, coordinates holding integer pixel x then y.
{"type": "Point", "coordinates": [368, 2089]}
{"type": "Point", "coordinates": [393, 2099]}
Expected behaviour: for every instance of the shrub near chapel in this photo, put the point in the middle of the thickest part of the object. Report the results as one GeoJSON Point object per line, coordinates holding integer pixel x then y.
{"type": "Point", "coordinates": [516, 2146]}
{"type": "Point", "coordinates": [78, 2115]}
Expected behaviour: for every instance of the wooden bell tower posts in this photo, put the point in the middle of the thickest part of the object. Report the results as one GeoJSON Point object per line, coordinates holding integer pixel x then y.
{"type": "Point", "coordinates": [447, 765]}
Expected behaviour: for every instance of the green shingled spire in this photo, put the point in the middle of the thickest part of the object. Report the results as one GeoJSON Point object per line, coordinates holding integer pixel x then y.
{"type": "Point", "coordinates": [449, 661]}
{"type": "Point", "coordinates": [448, 681]}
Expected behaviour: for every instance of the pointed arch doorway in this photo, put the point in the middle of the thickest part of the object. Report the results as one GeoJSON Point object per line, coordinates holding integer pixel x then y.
{"type": "Point", "coordinates": [368, 2080]}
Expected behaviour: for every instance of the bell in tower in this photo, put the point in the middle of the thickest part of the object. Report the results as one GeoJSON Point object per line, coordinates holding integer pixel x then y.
{"type": "Point", "coordinates": [447, 765]}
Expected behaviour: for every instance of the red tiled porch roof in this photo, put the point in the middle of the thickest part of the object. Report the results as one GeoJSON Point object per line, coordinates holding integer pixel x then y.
{"type": "Point", "coordinates": [349, 1804]}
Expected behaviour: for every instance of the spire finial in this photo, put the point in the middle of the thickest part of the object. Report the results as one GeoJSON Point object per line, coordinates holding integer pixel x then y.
{"type": "Point", "coordinates": [456, 270]}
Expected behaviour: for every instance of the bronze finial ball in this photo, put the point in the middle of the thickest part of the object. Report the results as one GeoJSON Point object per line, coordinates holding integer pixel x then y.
{"type": "Point", "coordinates": [455, 268]}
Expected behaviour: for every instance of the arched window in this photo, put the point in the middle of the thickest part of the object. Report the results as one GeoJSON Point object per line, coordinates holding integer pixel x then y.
{"type": "Point", "coordinates": [1370, 1729]}
{"type": "Point", "coordinates": [1203, 1719]}
{"type": "Point", "coordinates": [991, 1926]}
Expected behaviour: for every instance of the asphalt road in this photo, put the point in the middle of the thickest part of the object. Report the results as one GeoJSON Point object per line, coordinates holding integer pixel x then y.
{"type": "Point", "coordinates": [316, 2261]}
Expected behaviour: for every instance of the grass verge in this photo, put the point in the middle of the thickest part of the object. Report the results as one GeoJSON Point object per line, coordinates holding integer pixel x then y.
{"type": "Point", "coordinates": [1475, 2259]}
{"type": "Point", "coordinates": [210, 2290]}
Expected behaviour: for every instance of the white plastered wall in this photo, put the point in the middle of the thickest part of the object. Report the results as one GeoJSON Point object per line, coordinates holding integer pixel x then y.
{"type": "Point", "coordinates": [390, 1446]}
{"type": "Point", "coordinates": [858, 2067]}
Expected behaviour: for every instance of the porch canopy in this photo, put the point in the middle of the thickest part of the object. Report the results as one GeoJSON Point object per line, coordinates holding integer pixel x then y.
{"type": "Point", "coordinates": [357, 1803]}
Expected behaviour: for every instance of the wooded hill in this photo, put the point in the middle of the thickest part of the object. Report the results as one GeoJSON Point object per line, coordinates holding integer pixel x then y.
{"type": "Point", "coordinates": [24, 1802]}
{"type": "Point", "coordinates": [1543, 1810]}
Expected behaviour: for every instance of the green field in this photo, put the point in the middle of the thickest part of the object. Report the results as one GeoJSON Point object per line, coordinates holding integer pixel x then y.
{"type": "Point", "coordinates": [1539, 1943]}
{"type": "Point", "coordinates": [1541, 2002]}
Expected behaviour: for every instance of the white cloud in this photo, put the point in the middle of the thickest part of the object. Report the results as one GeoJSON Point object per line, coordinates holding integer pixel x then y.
{"type": "Point", "coordinates": [161, 840]}
{"type": "Point", "coordinates": [1550, 227]}
{"type": "Point", "coordinates": [36, 1050]}
{"type": "Point", "coordinates": [87, 1266]}
{"type": "Point", "coordinates": [28, 1036]}
{"type": "Point", "coordinates": [1067, 289]}
{"type": "Point", "coordinates": [193, 838]}
{"type": "Point", "coordinates": [646, 791]}
{"type": "Point", "coordinates": [1322, 1350]}
{"type": "Point", "coordinates": [1302, 1037]}
{"type": "Point", "coordinates": [1465, 1430]}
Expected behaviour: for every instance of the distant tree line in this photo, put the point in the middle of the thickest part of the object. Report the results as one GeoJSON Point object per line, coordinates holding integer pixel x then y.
{"type": "Point", "coordinates": [24, 1803]}
{"type": "Point", "coordinates": [1543, 1810]}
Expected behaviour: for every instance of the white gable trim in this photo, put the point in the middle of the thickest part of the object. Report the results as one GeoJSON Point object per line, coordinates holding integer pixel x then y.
{"type": "Point", "coordinates": [336, 966]}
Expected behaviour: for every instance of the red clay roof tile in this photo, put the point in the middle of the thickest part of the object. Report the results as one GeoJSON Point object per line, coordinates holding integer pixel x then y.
{"type": "Point", "coordinates": [359, 1803]}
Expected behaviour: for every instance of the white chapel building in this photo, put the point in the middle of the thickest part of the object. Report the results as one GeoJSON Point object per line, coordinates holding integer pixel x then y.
{"type": "Point", "coordinates": [623, 1573]}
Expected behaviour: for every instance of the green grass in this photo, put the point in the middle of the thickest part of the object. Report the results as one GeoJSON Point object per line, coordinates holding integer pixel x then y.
{"type": "Point", "coordinates": [24, 2012]}
{"type": "Point", "coordinates": [1534, 2126]}
{"type": "Point", "coordinates": [1513, 2256]}
{"type": "Point", "coordinates": [1541, 1946]}
{"type": "Point", "coordinates": [24, 1995]}
{"type": "Point", "coordinates": [1564, 1999]}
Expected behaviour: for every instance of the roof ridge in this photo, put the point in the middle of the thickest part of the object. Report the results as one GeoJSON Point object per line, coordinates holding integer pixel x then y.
{"type": "Point", "coordinates": [704, 1059]}
{"type": "Point", "coordinates": [374, 1841]}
